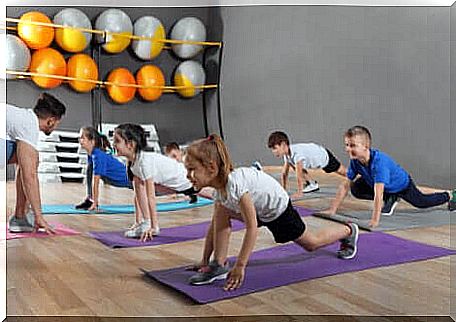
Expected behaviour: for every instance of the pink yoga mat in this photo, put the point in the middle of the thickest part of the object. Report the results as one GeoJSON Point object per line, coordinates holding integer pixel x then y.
{"type": "Point", "coordinates": [60, 230]}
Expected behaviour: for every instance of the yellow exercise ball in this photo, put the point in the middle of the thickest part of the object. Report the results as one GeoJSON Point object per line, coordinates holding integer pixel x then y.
{"type": "Point", "coordinates": [82, 66]}
{"type": "Point", "coordinates": [35, 36]}
{"type": "Point", "coordinates": [70, 39]}
{"type": "Point", "coordinates": [152, 28]}
{"type": "Point", "coordinates": [189, 74]}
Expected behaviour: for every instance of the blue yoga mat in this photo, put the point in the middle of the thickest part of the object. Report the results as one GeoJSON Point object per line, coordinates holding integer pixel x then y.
{"type": "Point", "coordinates": [124, 209]}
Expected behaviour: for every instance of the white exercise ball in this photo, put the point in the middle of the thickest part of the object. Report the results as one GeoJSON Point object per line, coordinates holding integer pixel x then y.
{"type": "Point", "coordinates": [188, 29]}
{"type": "Point", "coordinates": [114, 21]}
{"type": "Point", "coordinates": [71, 39]}
{"type": "Point", "coordinates": [189, 73]}
{"type": "Point", "coordinates": [18, 55]}
{"type": "Point", "coordinates": [149, 27]}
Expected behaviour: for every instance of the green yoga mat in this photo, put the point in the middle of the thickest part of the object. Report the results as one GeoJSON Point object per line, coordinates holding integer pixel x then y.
{"type": "Point", "coordinates": [124, 209]}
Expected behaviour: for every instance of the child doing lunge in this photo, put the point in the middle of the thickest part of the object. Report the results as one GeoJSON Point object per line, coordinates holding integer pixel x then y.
{"type": "Point", "coordinates": [300, 157]}
{"type": "Point", "coordinates": [257, 199]}
{"type": "Point", "coordinates": [374, 175]}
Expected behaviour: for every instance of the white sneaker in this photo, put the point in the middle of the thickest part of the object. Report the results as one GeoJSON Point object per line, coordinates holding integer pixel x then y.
{"type": "Point", "coordinates": [137, 231]}
{"type": "Point", "coordinates": [257, 165]}
{"type": "Point", "coordinates": [311, 187]}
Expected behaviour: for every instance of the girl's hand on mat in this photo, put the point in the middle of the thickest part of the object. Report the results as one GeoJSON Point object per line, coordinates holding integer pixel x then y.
{"type": "Point", "coordinates": [297, 195]}
{"type": "Point", "coordinates": [40, 223]}
{"type": "Point", "coordinates": [235, 278]}
{"type": "Point", "coordinates": [94, 206]}
{"type": "Point", "coordinates": [147, 235]}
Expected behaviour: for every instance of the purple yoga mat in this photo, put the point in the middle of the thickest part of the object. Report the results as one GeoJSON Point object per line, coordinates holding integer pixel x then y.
{"type": "Point", "coordinates": [287, 264]}
{"type": "Point", "coordinates": [116, 239]}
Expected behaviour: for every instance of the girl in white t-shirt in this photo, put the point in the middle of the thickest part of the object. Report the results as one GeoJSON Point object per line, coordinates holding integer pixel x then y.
{"type": "Point", "coordinates": [257, 199]}
{"type": "Point", "coordinates": [147, 169]}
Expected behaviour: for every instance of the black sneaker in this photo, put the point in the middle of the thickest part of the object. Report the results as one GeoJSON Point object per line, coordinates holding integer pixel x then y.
{"type": "Point", "coordinates": [452, 202]}
{"type": "Point", "coordinates": [349, 245]}
{"type": "Point", "coordinates": [193, 199]}
{"type": "Point", "coordinates": [86, 204]}
{"type": "Point", "coordinates": [389, 205]}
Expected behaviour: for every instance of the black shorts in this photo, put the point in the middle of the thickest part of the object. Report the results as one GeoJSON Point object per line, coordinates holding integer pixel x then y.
{"type": "Point", "coordinates": [287, 227]}
{"type": "Point", "coordinates": [333, 164]}
{"type": "Point", "coordinates": [188, 192]}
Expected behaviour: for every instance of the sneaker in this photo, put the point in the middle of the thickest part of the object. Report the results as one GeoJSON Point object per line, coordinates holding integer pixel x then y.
{"type": "Point", "coordinates": [348, 246]}
{"type": "Point", "coordinates": [86, 204]}
{"type": "Point", "coordinates": [209, 274]}
{"type": "Point", "coordinates": [137, 230]}
{"type": "Point", "coordinates": [257, 165]}
{"type": "Point", "coordinates": [22, 225]}
{"type": "Point", "coordinates": [311, 186]}
{"type": "Point", "coordinates": [389, 205]}
{"type": "Point", "coordinates": [193, 199]}
{"type": "Point", "coordinates": [452, 202]}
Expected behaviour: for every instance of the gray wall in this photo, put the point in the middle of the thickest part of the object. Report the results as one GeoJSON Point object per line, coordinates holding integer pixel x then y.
{"type": "Point", "coordinates": [176, 119]}
{"type": "Point", "coordinates": [314, 71]}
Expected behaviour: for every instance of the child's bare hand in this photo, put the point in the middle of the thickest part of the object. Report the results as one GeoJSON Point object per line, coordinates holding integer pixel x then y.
{"type": "Point", "coordinates": [147, 235]}
{"type": "Point", "coordinates": [235, 278]}
{"type": "Point", "coordinates": [297, 195]}
{"type": "Point", "coordinates": [373, 223]}
{"type": "Point", "coordinates": [328, 212]}
{"type": "Point", "coordinates": [93, 207]}
{"type": "Point", "coordinates": [40, 223]}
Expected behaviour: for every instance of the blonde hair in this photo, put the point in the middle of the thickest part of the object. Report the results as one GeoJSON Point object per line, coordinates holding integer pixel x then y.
{"type": "Point", "coordinates": [212, 149]}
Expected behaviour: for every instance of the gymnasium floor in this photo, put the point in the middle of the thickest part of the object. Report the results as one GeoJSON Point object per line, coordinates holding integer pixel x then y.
{"type": "Point", "coordinates": [77, 275]}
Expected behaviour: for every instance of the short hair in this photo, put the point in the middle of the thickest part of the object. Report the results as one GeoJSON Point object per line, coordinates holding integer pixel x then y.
{"type": "Point", "coordinates": [171, 146]}
{"type": "Point", "coordinates": [359, 130]}
{"type": "Point", "coordinates": [48, 106]}
{"type": "Point", "coordinates": [276, 138]}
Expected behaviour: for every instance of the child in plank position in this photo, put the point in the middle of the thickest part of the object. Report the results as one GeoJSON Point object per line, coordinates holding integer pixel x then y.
{"type": "Point", "coordinates": [173, 151]}
{"type": "Point", "coordinates": [257, 199]}
{"type": "Point", "coordinates": [300, 157]}
{"type": "Point", "coordinates": [374, 175]}
{"type": "Point", "coordinates": [101, 165]}
{"type": "Point", "coordinates": [148, 169]}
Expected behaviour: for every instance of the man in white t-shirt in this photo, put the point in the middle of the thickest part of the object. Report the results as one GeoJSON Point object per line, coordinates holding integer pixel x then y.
{"type": "Point", "coordinates": [22, 133]}
{"type": "Point", "coordinates": [303, 156]}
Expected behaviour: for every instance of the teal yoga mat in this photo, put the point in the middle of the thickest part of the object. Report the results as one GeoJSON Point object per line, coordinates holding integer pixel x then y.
{"type": "Point", "coordinates": [124, 209]}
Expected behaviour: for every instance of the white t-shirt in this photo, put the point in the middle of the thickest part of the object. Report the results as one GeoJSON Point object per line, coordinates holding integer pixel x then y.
{"type": "Point", "coordinates": [268, 196]}
{"type": "Point", "coordinates": [22, 124]}
{"type": "Point", "coordinates": [313, 156]}
{"type": "Point", "coordinates": [162, 169]}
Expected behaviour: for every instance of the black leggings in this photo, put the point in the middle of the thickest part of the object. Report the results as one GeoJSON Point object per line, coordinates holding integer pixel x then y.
{"type": "Point", "coordinates": [362, 190]}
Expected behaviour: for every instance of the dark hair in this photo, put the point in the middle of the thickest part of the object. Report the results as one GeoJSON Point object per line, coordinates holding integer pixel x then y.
{"type": "Point", "coordinates": [212, 149]}
{"type": "Point", "coordinates": [101, 141]}
{"type": "Point", "coordinates": [171, 146]}
{"type": "Point", "coordinates": [48, 106]}
{"type": "Point", "coordinates": [132, 133]}
{"type": "Point", "coordinates": [276, 138]}
{"type": "Point", "coordinates": [359, 130]}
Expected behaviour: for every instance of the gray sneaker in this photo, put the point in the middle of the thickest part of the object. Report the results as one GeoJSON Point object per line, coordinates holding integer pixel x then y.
{"type": "Point", "coordinates": [348, 246]}
{"type": "Point", "coordinates": [213, 272]}
{"type": "Point", "coordinates": [22, 225]}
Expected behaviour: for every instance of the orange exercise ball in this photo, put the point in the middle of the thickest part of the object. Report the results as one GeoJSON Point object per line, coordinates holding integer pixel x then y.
{"type": "Point", "coordinates": [35, 36]}
{"type": "Point", "coordinates": [121, 94]}
{"type": "Point", "coordinates": [47, 61]}
{"type": "Point", "coordinates": [82, 66]}
{"type": "Point", "coordinates": [150, 75]}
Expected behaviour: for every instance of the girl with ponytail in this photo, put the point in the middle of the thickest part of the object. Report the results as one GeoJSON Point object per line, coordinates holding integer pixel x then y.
{"type": "Point", "coordinates": [257, 199]}
{"type": "Point", "coordinates": [147, 169]}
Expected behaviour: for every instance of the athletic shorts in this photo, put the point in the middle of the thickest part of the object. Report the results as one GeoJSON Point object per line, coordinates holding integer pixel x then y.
{"type": "Point", "coordinates": [333, 164]}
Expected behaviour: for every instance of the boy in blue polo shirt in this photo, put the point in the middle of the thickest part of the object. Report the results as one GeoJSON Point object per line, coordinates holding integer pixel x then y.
{"type": "Point", "coordinates": [373, 175]}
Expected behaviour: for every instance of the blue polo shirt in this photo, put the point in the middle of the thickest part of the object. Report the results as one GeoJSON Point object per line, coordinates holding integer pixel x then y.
{"type": "Point", "coordinates": [106, 165]}
{"type": "Point", "coordinates": [381, 169]}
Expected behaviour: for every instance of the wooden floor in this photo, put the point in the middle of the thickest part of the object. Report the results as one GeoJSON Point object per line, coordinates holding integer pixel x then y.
{"type": "Point", "coordinates": [77, 275]}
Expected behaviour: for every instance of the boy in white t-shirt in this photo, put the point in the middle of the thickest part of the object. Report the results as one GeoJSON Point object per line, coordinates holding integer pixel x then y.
{"type": "Point", "coordinates": [256, 199]}
{"type": "Point", "coordinates": [22, 133]}
{"type": "Point", "coordinates": [300, 157]}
